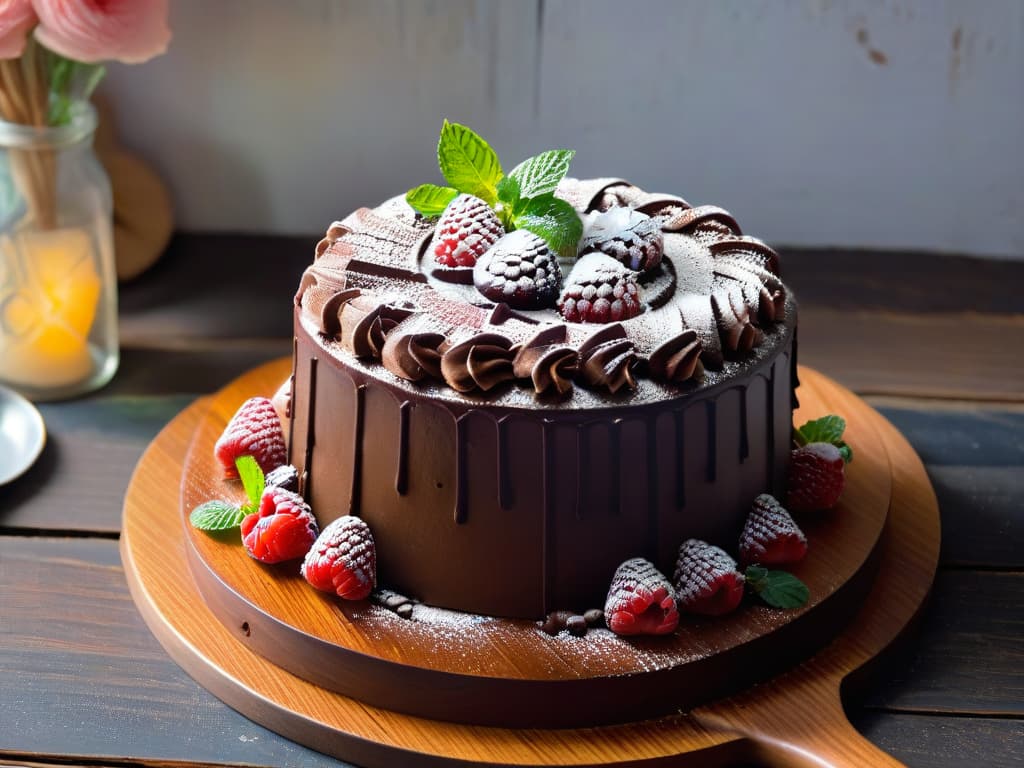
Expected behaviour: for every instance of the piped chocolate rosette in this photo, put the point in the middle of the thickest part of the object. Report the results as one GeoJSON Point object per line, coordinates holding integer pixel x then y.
{"type": "Point", "coordinates": [645, 287]}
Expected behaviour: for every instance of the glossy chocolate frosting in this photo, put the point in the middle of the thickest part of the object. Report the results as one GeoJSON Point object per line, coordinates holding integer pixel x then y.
{"type": "Point", "coordinates": [508, 461]}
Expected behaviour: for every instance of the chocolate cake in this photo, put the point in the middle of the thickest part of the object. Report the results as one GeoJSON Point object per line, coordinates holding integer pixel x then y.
{"type": "Point", "coordinates": [509, 459]}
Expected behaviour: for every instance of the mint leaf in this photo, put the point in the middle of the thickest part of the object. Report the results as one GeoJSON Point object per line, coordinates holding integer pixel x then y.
{"type": "Point", "coordinates": [778, 589]}
{"type": "Point", "coordinates": [508, 191]}
{"type": "Point", "coordinates": [252, 480]}
{"type": "Point", "coordinates": [539, 175]}
{"type": "Point", "coordinates": [216, 516]}
{"type": "Point", "coordinates": [827, 429]}
{"type": "Point", "coordinates": [554, 220]}
{"type": "Point", "coordinates": [429, 199]}
{"type": "Point", "coordinates": [468, 163]}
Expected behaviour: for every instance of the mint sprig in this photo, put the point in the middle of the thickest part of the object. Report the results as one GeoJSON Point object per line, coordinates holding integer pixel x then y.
{"type": "Point", "coordinates": [468, 163]}
{"type": "Point", "coordinates": [827, 429]}
{"type": "Point", "coordinates": [216, 516]}
{"type": "Point", "coordinates": [778, 589]}
{"type": "Point", "coordinates": [219, 515]}
{"type": "Point", "coordinates": [523, 199]}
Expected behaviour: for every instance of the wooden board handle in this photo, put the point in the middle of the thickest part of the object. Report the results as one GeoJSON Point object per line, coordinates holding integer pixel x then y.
{"type": "Point", "coordinates": [801, 724]}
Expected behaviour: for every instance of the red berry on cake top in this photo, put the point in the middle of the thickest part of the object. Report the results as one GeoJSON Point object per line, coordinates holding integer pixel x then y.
{"type": "Point", "coordinates": [599, 290]}
{"type": "Point", "coordinates": [632, 238]}
{"type": "Point", "coordinates": [254, 430]}
{"type": "Point", "coordinates": [466, 229]}
{"type": "Point", "coordinates": [282, 529]}
{"type": "Point", "coordinates": [520, 270]}
{"type": "Point", "coordinates": [343, 560]}
{"type": "Point", "coordinates": [706, 579]}
{"type": "Point", "coordinates": [640, 601]}
{"type": "Point", "coordinates": [770, 536]}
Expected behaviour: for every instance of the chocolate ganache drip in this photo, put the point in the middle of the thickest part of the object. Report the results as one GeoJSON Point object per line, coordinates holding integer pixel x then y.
{"type": "Point", "coordinates": [547, 360]}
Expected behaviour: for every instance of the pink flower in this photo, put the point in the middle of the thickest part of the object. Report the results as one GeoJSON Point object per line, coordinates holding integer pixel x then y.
{"type": "Point", "coordinates": [16, 19]}
{"type": "Point", "coordinates": [130, 31]}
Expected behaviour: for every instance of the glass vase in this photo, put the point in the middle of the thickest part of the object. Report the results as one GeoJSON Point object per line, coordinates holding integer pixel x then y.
{"type": "Point", "coordinates": [58, 281]}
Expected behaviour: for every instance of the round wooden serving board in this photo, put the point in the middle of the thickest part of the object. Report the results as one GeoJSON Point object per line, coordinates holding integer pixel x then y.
{"type": "Point", "coordinates": [229, 626]}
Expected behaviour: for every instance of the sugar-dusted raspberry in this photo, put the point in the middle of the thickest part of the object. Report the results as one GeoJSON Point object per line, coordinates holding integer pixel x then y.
{"type": "Point", "coordinates": [770, 536]}
{"type": "Point", "coordinates": [640, 601]}
{"type": "Point", "coordinates": [343, 560]}
{"type": "Point", "coordinates": [286, 476]}
{"type": "Point", "coordinates": [816, 478]}
{"type": "Point", "coordinates": [254, 430]}
{"type": "Point", "coordinates": [466, 229]}
{"type": "Point", "coordinates": [283, 529]}
{"type": "Point", "coordinates": [599, 290]}
{"type": "Point", "coordinates": [519, 270]}
{"type": "Point", "coordinates": [706, 579]}
{"type": "Point", "coordinates": [632, 238]}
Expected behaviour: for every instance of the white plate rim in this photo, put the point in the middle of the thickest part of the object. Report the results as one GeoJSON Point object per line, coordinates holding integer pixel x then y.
{"type": "Point", "coordinates": [32, 417]}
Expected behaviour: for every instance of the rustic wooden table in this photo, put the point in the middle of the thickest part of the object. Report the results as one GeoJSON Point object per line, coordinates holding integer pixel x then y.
{"type": "Point", "coordinates": [935, 343]}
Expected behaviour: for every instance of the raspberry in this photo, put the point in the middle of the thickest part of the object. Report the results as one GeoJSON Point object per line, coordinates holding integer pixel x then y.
{"type": "Point", "coordinates": [599, 290]}
{"type": "Point", "coordinates": [632, 238]}
{"type": "Point", "coordinates": [640, 601]}
{"type": "Point", "coordinates": [343, 560]}
{"type": "Point", "coordinates": [816, 476]}
{"type": "Point", "coordinates": [286, 476]}
{"type": "Point", "coordinates": [706, 579]}
{"type": "Point", "coordinates": [519, 270]}
{"type": "Point", "coordinates": [255, 430]}
{"type": "Point", "coordinates": [770, 537]}
{"type": "Point", "coordinates": [283, 529]}
{"type": "Point", "coordinates": [466, 229]}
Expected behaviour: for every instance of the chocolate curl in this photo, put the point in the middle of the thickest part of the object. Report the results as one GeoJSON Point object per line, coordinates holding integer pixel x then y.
{"type": "Point", "coordinates": [547, 361]}
{"type": "Point", "coordinates": [698, 314]}
{"type": "Point", "coordinates": [737, 333]}
{"type": "Point", "coordinates": [607, 359]}
{"type": "Point", "coordinates": [414, 355]}
{"type": "Point", "coordinates": [482, 361]}
{"type": "Point", "coordinates": [747, 249]}
{"type": "Point", "coordinates": [678, 359]}
{"type": "Point", "coordinates": [334, 233]}
{"type": "Point", "coordinates": [709, 219]}
{"type": "Point", "coordinates": [365, 322]}
{"type": "Point", "coordinates": [330, 313]}
{"type": "Point", "coordinates": [585, 195]}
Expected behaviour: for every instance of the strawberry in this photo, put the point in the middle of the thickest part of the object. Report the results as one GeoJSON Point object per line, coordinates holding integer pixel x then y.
{"type": "Point", "coordinates": [282, 529]}
{"type": "Point", "coordinates": [770, 537]}
{"type": "Point", "coordinates": [343, 560]}
{"type": "Point", "coordinates": [816, 476]}
{"type": "Point", "coordinates": [599, 290]}
{"type": "Point", "coordinates": [706, 579]}
{"type": "Point", "coordinates": [254, 430]}
{"type": "Point", "coordinates": [640, 601]}
{"type": "Point", "coordinates": [466, 229]}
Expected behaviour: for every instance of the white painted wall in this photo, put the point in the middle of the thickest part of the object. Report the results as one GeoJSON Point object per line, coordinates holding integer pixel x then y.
{"type": "Point", "coordinates": [880, 123]}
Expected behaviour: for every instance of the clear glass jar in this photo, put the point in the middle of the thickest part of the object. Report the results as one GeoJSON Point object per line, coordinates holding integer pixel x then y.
{"type": "Point", "coordinates": [58, 281]}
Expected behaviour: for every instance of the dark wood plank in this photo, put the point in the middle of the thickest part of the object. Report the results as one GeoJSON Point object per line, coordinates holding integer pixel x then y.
{"type": "Point", "coordinates": [198, 369]}
{"type": "Point", "coordinates": [944, 742]}
{"type": "Point", "coordinates": [969, 655]}
{"type": "Point", "coordinates": [982, 515]}
{"type": "Point", "coordinates": [979, 437]}
{"type": "Point", "coordinates": [217, 286]}
{"type": "Point", "coordinates": [82, 677]}
{"type": "Point", "coordinates": [75, 652]}
{"type": "Point", "coordinates": [92, 446]}
{"type": "Point", "coordinates": [904, 281]}
{"type": "Point", "coordinates": [885, 353]}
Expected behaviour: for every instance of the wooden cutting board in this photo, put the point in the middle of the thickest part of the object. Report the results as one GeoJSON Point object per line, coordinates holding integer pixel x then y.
{"type": "Point", "coordinates": [794, 719]}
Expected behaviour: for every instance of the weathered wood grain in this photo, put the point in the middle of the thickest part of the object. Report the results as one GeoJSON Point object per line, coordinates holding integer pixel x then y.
{"type": "Point", "coordinates": [944, 742]}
